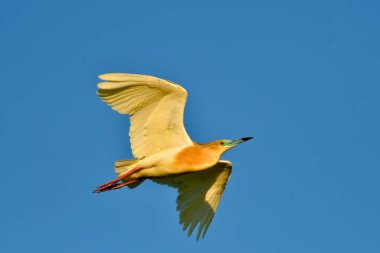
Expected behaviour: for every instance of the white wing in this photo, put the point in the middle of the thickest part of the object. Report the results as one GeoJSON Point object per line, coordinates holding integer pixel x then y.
{"type": "Point", "coordinates": [199, 194]}
{"type": "Point", "coordinates": [156, 107]}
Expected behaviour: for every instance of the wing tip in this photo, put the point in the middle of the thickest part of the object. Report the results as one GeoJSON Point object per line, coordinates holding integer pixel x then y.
{"type": "Point", "coordinates": [107, 85]}
{"type": "Point", "coordinates": [100, 86]}
{"type": "Point", "coordinates": [102, 77]}
{"type": "Point", "coordinates": [111, 76]}
{"type": "Point", "coordinates": [119, 77]}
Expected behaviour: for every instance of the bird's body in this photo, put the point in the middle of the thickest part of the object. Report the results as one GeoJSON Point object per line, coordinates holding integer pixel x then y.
{"type": "Point", "coordinates": [193, 158]}
{"type": "Point", "coordinates": [163, 150]}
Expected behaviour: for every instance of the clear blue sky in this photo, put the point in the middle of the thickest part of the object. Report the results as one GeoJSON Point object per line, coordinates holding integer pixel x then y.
{"type": "Point", "coordinates": [301, 76]}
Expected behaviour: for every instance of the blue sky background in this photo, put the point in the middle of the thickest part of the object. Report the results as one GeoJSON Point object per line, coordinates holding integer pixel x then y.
{"type": "Point", "coordinates": [301, 76]}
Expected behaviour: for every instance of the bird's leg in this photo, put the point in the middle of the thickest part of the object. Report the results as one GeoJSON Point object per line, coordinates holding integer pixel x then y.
{"type": "Point", "coordinates": [111, 183]}
{"type": "Point", "coordinates": [116, 186]}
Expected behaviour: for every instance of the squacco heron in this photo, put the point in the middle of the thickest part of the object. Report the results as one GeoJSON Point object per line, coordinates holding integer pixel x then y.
{"type": "Point", "coordinates": [163, 150]}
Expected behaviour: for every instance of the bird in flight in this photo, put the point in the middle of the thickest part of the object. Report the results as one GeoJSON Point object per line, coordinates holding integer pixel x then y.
{"type": "Point", "coordinates": [163, 150]}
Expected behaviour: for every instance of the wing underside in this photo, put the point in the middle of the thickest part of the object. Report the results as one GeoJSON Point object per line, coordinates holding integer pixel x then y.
{"type": "Point", "coordinates": [199, 194]}
{"type": "Point", "coordinates": [156, 109]}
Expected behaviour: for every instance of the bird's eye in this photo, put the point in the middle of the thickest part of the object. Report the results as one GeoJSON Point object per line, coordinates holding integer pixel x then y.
{"type": "Point", "coordinates": [222, 143]}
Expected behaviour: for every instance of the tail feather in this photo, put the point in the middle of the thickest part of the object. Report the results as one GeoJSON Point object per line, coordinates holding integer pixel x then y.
{"type": "Point", "coordinates": [123, 166]}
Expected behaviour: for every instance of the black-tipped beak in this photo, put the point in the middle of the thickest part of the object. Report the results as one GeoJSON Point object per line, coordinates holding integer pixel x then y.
{"type": "Point", "coordinates": [233, 143]}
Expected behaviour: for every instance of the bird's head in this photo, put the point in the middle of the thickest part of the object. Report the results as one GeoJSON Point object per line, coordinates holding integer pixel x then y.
{"type": "Point", "coordinates": [224, 145]}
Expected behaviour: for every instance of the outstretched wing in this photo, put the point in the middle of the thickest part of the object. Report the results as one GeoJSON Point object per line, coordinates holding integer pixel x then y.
{"type": "Point", "coordinates": [199, 194]}
{"type": "Point", "coordinates": [156, 108]}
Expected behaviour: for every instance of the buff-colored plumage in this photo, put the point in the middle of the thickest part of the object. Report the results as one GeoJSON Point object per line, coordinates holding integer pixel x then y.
{"type": "Point", "coordinates": [163, 150]}
{"type": "Point", "coordinates": [156, 107]}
